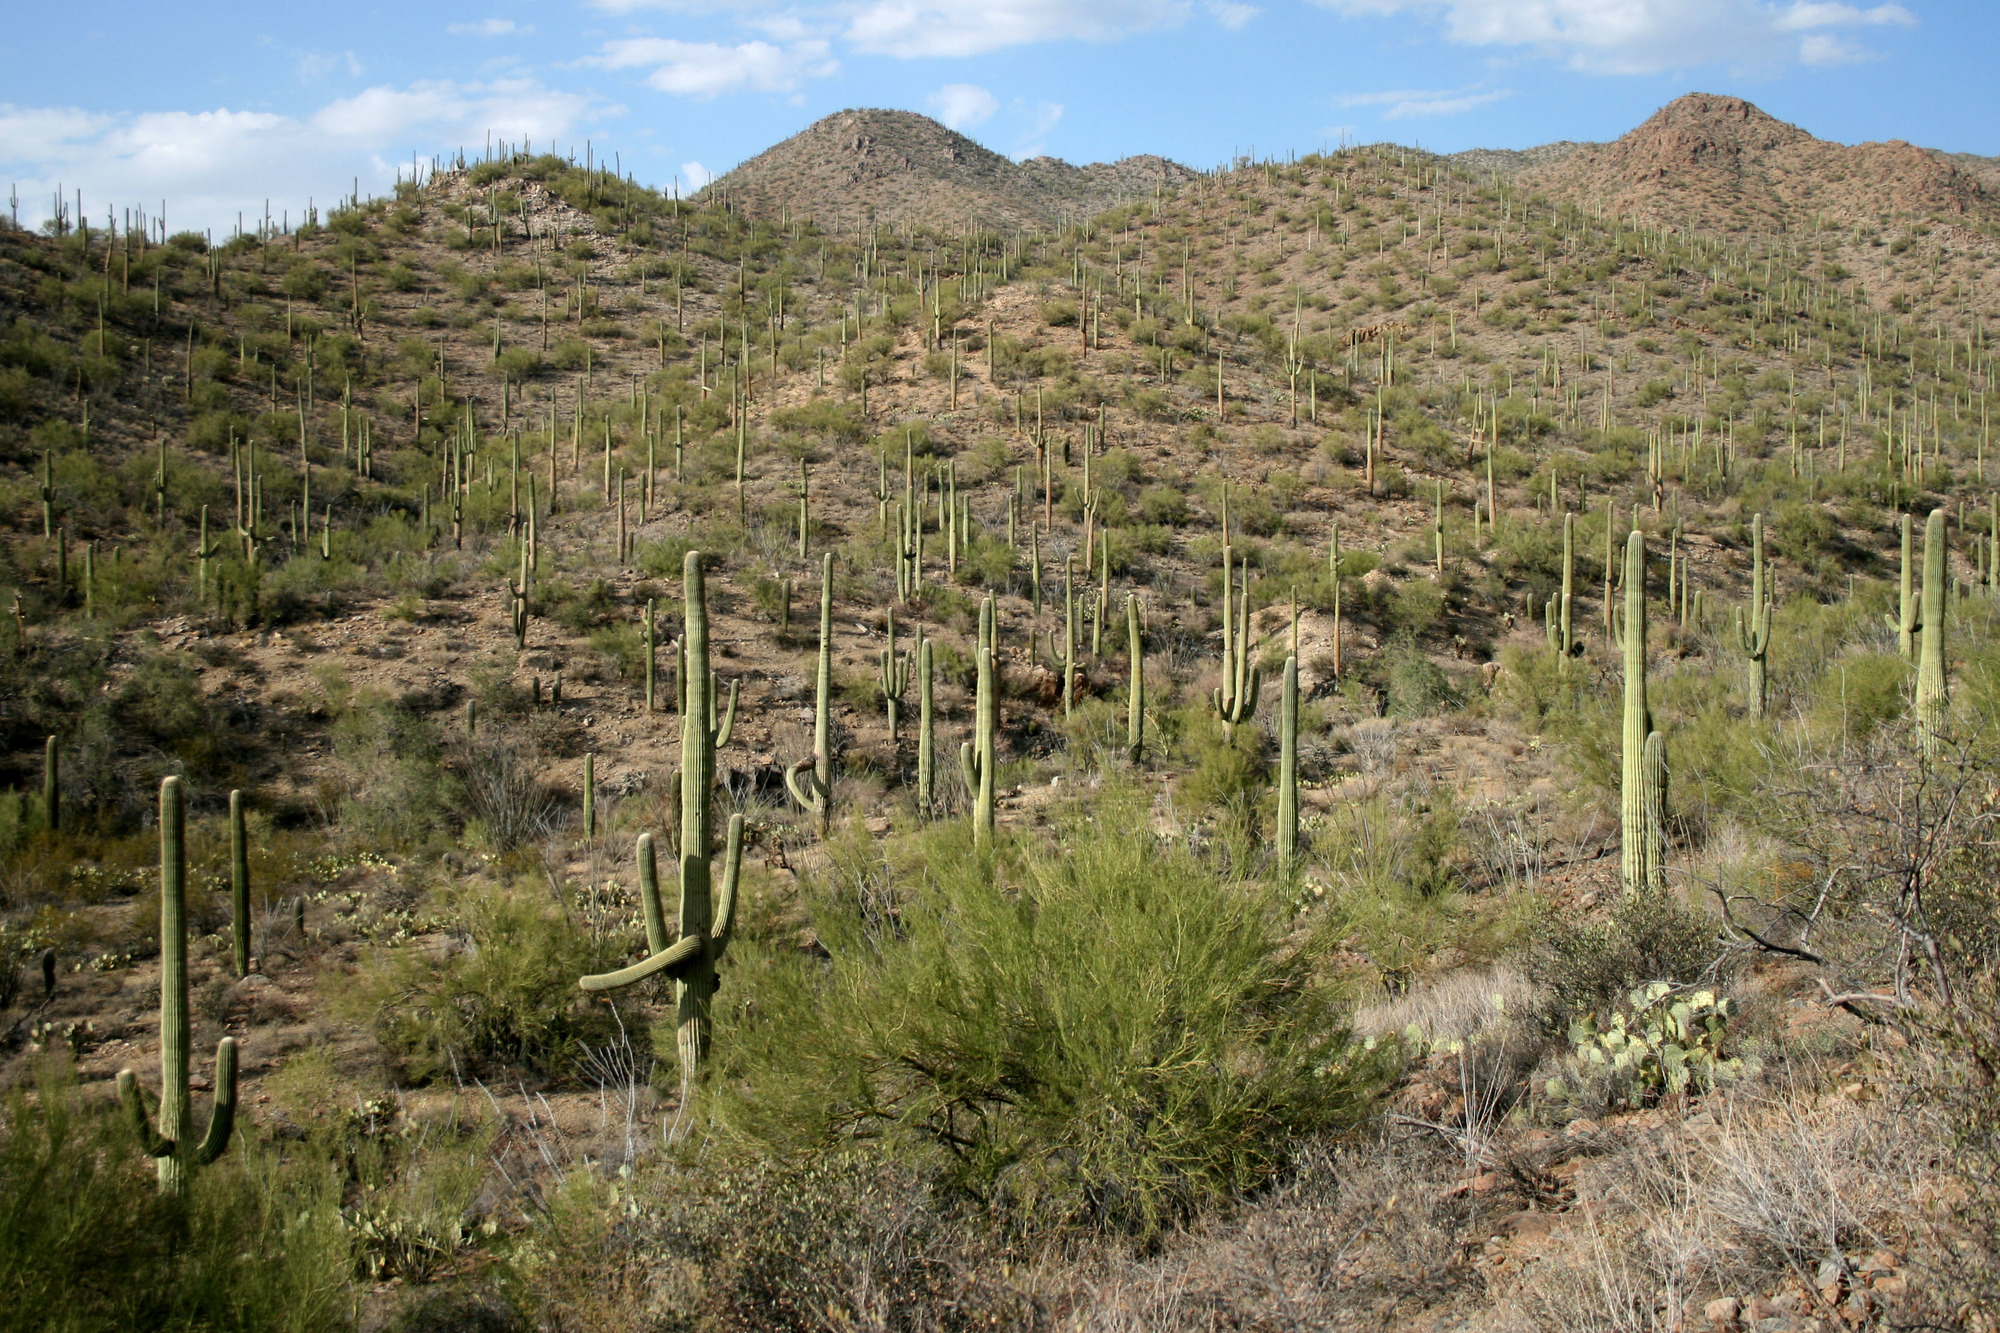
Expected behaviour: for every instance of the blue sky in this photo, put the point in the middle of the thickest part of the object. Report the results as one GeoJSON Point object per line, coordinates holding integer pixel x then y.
{"type": "Point", "coordinates": [215, 113]}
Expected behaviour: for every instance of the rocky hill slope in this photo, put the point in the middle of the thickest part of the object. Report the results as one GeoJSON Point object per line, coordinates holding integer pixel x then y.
{"type": "Point", "coordinates": [1721, 163]}
{"type": "Point", "coordinates": [900, 167]}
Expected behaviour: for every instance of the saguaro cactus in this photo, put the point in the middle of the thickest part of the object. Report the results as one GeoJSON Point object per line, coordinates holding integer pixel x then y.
{"type": "Point", "coordinates": [976, 756]}
{"type": "Point", "coordinates": [1235, 700]}
{"type": "Point", "coordinates": [700, 735]}
{"type": "Point", "coordinates": [1565, 637]}
{"type": "Point", "coordinates": [1135, 695]}
{"type": "Point", "coordinates": [1931, 689]}
{"type": "Point", "coordinates": [811, 780]}
{"type": "Point", "coordinates": [1753, 631]}
{"type": "Point", "coordinates": [1634, 800]}
{"type": "Point", "coordinates": [704, 943]}
{"type": "Point", "coordinates": [239, 885]}
{"type": "Point", "coordinates": [1288, 770]}
{"type": "Point", "coordinates": [1653, 790]}
{"type": "Point", "coordinates": [893, 677]}
{"type": "Point", "coordinates": [165, 1136]}
{"type": "Point", "coordinates": [52, 784]}
{"type": "Point", "coordinates": [926, 729]}
{"type": "Point", "coordinates": [1904, 622]}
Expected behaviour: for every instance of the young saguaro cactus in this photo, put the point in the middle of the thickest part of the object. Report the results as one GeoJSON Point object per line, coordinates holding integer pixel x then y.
{"type": "Point", "coordinates": [926, 729]}
{"type": "Point", "coordinates": [165, 1136]}
{"type": "Point", "coordinates": [1753, 631]}
{"type": "Point", "coordinates": [52, 784]}
{"type": "Point", "coordinates": [1931, 687]}
{"type": "Point", "coordinates": [1288, 770]}
{"type": "Point", "coordinates": [239, 886]}
{"type": "Point", "coordinates": [1635, 801]}
{"type": "Point", "coordinates": [1135, 695]}
{"type": "Point", "coordinates": [811, 779]}
{"type": "Point", "coordinates": [1565, 637]}
{"type": "Point", "coordinates": [976, 756]}
{"type": "Point", "coordinates": [1904, 622]}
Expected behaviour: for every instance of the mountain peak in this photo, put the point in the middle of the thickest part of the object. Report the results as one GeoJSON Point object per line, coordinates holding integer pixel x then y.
{"type": "Point", "coordinates": [899, 166]}
{"type": "Point", "coordinates": [1714, 161]}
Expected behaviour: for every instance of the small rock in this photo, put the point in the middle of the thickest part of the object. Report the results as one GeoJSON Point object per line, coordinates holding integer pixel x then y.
{"type": "Point", "coordinates": [1891, 1285]}
{"type": "Point", "coordinates": [1723, 1311]}
{"type": "Point", "coordinates": [1577, 1128]}
{"type": "Point", "coordinates": [1527, 1224]}
{"type": "Point", "coordinates": [1485, 1182]}
{"type": "Point", "coordinates": [1882, 1261]}
{"type": "Point", "coordinates": [1759, 1308]}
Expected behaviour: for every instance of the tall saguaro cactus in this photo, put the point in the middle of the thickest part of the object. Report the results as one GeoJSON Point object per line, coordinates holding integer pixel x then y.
{"type": "Point", "coordinates": [1753, 630]}
{"type": "Point", "coordinates": [1566, 638]}
{"type": "Point", "coordinates": [894, 677]}
{"type": "Point", "coordinates": [811, 779]}
{"type": "Point", "coordinates": [1288, 770]}
{"type": "Point", "coordinates": [1135, 696]}
{"type": "Point", "coordinates": [976, 756]}
{"type": "Point", "coordinates": [700, 735]}
{"type": "Point", "coordinates": [1904, 622]}
{"type": "Point", "coordinates": [926, 729]}
{"type": "Point", "coordinates": [700, 942]}
{"type": "Point", "coordinates": [1931, 688]}
{"type": "Point", "coordinates": [1235, 700]}
{"type": "Point", "coordinates": [1637, 867]}
{"type": "Point", "coordinates": [239, 886]}
{"type": "Point", "coordinates": [52, 784]}
{"type": "Point", "coordinates": [165, 1135]}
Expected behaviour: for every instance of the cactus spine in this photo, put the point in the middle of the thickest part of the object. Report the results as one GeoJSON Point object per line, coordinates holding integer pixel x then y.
{"type": "Point", "coordinates": [165, 1136]}
{"type": "Point", "coordinates": [976, 756]}
{"type": "Point", "coordinates": [239, 885]}
{"type": "Point", "coordinates": [1753, 631]}
{"type": "Point", "coordinates": [811, 780]}
{"type": "Point", "coordinates": [1634, 799]}
{"type": "Point", "coordinates": [1135, 698]}
{"type": "Point", "coordinates": [1288, 770]}
{"type": "Point", "coordinates": [1931, 689]}
{"type": "Point", "coordinates": [1904, 622]}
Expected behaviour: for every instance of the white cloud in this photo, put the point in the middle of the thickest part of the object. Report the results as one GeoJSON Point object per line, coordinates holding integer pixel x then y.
{"type": "Point", "coordinates": [1647, 36]}
{"type": "Point", "coordinates": [209, 164]}
{"type": "Point", "coordinates": [703, 70]}
{"type": "Point", "coordinates": [1047, 115]}
{"type": "Point", "coordinates": [491, 28]}
{"type": "Point", "coordinates": [912, 28]}
{"type": "Point", "coordinates": [316, 65]}
{"type": "Point", "coordinates": [964, 106]}
{"type": "Point", "coordinates": [1410, 102]}
{"type": "Point", "coordinates": [695, 175]}
{"type": "Point", "coordinates": [1232, 15]}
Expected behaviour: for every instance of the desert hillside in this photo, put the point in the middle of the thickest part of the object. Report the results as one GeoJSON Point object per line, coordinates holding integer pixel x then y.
{"type": "Point", "coordinates": [1364, 742]}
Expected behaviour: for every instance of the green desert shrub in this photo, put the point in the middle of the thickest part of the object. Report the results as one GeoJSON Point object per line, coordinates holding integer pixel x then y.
{"type": "Point", "coordinates": [1112, 1037]}
{"type": "Point", "coordinates": [87, 1243]}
